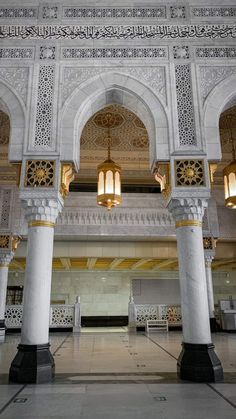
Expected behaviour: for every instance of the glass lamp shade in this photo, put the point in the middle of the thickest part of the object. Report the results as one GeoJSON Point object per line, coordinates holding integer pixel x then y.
{"type": "Point", "coordinates": [229, 173]}
{"type": "Point", "coordinates": [109, 184]}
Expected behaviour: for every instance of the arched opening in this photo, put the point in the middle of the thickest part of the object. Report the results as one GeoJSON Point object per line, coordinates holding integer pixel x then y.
{"type": "Point", "coordinates": [120, 89]}
{"type": "Point", "coordinates": [129, 149]}
{"type": "Point", "coordinates": [8, 172]}
{"type": "Point", "coordinates": [12, 106]}
{"type": "Point", "coordinates": [227, 127]}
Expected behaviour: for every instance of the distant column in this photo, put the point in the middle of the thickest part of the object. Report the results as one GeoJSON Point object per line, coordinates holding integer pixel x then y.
{"type": "Point", "coordinates": [8, 245]}
{"type": "Point", "coordinates": [209, 244]}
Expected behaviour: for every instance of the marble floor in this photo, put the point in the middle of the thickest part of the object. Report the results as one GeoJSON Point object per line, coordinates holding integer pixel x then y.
{"type": "Point", "coordinates": [111, 374]}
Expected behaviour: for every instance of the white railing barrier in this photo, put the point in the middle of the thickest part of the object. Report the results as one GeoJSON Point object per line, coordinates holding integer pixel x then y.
{"type": "Point", "coordinates": [61, 316]}
{"type": "Point", "coordinates": [156, 325]}
{"type": "Point", "coordinates": [171, 313]}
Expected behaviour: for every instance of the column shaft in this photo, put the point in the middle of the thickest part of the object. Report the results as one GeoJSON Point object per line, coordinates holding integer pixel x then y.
{"type": "Point", "coordinates": [3, 294]}
{"type": "Point", "coordinates": [3, 290]}
{"type": "Point", "coordinates": [196, 327]}
{"type": "Point", "coordinates": [210, 293]}
{"type": "Point", "coordinates": [35, 327]}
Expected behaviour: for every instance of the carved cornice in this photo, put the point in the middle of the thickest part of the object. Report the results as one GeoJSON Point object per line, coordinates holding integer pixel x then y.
{"type": "Point", "coordinates": [136, 218]}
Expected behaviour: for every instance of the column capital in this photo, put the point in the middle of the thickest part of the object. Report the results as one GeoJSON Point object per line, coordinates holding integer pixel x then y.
{"type": "Point", "coordinates": [6, 258]}
{"type": "Point", "coordinates": [208, 258]}
{"type": "Point", "coordinates": [187, 211]}
{"type": "Point", "coordinates": [8, 245]}
{"type": "Point", "coordinates": [41, 210]}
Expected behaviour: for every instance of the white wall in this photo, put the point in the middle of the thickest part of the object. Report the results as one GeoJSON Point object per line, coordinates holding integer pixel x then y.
{"type": "Point", "coordinates": [106, 293]}
{"type": "Point", "coordinates": [156, 291]}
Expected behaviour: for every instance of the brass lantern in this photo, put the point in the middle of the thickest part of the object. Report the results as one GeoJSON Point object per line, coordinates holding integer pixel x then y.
{"type": "Point", "coordinates": [229, 173]}
{"type": "Point", "coordinates": [109, 183]}
{"type": "Point", "coordinates": [230, 184]}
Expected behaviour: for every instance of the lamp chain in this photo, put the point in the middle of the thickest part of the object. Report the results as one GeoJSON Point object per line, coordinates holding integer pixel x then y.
{"type": "Point", "coordinates": [109, 145]}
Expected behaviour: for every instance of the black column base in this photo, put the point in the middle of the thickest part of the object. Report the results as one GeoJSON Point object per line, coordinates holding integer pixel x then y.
{"type": "Point", "coordinates": [213, 325]}
{"type": "Point", "coordinates": [199, 363]}
{"type": "Point", "coordinates": [2, 324]}
{"type": "Point", "coordinates": [32, 364]}
{"type": "Point", "coordinates": [2, 330]}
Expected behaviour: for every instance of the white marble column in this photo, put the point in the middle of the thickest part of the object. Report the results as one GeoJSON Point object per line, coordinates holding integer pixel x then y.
{"type": "Point", "coordinates": [132, 314]}
{"type": "Point", "coordinates": [41, 215]}
{"type": "Point", "coordinates": [188, 214]}
{"type": "Point", "coordinates": [5, 259]}
{"type": "Point", "coordinates": [210, 292]}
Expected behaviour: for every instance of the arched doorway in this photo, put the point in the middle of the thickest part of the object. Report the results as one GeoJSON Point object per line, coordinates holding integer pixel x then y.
{"type": "Point", "coordinates": [105, 286]}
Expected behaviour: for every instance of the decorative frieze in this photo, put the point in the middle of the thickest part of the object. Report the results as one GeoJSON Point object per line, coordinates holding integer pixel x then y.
{"type": "Point", "coordinates": [153, 76]}
{"type": "Point", "coordinates": [211, 76]}
{"type": "Point", "coordinates": [47, 53]}
{"type": "Point", "coordinates": [186, 122]}
{"type": "Point", "coordinates": [177, 12]}
{"type": "Point", "coordinates": [88, 53]}
{"type": "Point", "coordinates": [209, 243]}
{"type": "Point", "coordinates": [50, 12]}
{"type": "Point", "coordinates": [76, 12]}
{"type": "Point", "coordinates": [39, 173]}
{"type": "Point", "coordinates": [189, 173]}
{"type": "Point", "coordinates": [18, 13]}
{"type": "Point", "coordinates": [5, 242]}
{"type": "Point", "coordinates": [181, 52]}
{"type": "Point", "coordinates": [44, 113]}
{"type": "Point", "coordinates": [88, 216]}
{"type": "Point", "coordinates": [102, 32]}
{"type": "Point", "coordinates": [16, 53]}
{"type": "Point", "coordinates": [213, 12]}
{"type": "Point", "coordinates": [216, 52]}
{"type": "Point", "coordinates": [18, 78]}
{"type": "Point", "coordinates": [5, 208]}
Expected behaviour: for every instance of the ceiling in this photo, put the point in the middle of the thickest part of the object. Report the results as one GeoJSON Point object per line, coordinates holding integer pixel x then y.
{"type": "Point", "coordinates": [121, 264]}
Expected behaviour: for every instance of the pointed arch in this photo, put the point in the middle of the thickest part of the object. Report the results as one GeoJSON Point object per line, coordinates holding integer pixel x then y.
{"type": "Point", "coordinates": [114, 88]}
{"type": "Point", "coordinates": [12, 106]}
{"type": "Point", "coordinates": [223, 94]}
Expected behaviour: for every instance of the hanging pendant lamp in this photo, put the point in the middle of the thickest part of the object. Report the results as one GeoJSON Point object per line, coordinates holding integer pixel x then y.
{"type": "Point", "coordinates": [109, 181]}
{"type": "Point", "coordinates": [229, 173]}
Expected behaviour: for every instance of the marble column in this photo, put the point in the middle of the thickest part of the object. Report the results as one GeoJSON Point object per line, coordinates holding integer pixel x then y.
{"type": "Point", "coordinates": [5, 259]}
{"type": "Point", "coordinates": [132, 314]}
{"type": "Point", "coordinates": [197, 361]}
{"type": "Point", "coordinates": [210, 292]}
{"type": "Point", "coordinates": [34, 362]}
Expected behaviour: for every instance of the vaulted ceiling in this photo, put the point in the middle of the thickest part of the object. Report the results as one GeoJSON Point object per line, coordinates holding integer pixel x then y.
{"type": "Point", "coordinates": [129, 146]}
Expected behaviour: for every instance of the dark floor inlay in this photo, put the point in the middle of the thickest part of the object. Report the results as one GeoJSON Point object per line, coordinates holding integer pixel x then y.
{"type": "Point", "coordinates": [19, 400]}
{"type": "Point", "coordinates": [221, 395]}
